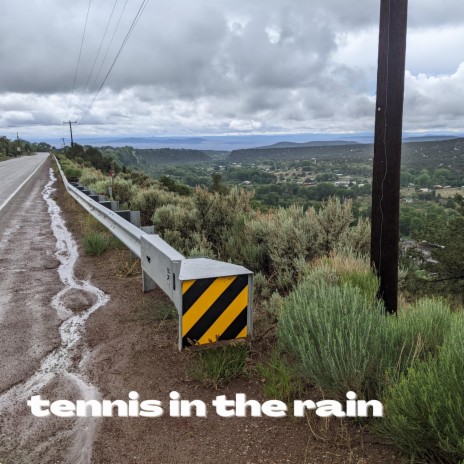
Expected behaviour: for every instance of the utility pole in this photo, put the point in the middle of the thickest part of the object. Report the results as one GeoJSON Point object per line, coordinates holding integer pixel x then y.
{"type": "Point", "coordinates": [70, 130]}
{"type": "Point", "coordinates": [18, 146]}
{"type": "Point", "coordinates": [64, 143]}
{"type": "Point", "coordinates": [387, 149]}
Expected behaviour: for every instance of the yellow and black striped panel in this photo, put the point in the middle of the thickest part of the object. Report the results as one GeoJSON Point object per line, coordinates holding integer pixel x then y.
{"type": "Point", "coordinates": [214, 309]}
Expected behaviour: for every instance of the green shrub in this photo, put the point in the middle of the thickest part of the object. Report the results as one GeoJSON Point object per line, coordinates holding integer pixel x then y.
{"type": "Point", "coordinates": [331, 223]}
{"type": "Point", "coordinates": [424, 411]}
{"type": "Point", "coordinates": [123, 190]}
{"type": "Point", "coordinates": [279, 242]}
{"type": "Point", "coordinates": [215, 366]}
{"type": "Point", "coordinates": [341, 336]}
{"type": "Point", "coordinates": [72, 172]}
{"type": "Point", "coordinates": [149, 200]}
{"type": "Point", "coordinates": [420, 330]}
{"type": "Point", "coordinates": [178, 225]}
{"type": "Point", "coordinates": [216, 215]}
{"type": "Point", "coordinates": [99, 185]}
{"type": "Point", "coordinates": [273, 243]}
{"type": "Point", "coordinates": [96, 243]}
{"type": "Point", "coordinates": [90, 176]}
{"type": "Point", "coordinates": [337, 334]}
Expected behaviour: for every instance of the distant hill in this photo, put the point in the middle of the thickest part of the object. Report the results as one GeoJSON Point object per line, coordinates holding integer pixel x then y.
{"type": "Point", "coordinates": [315, 143]}
{"type": "Point", "coordinates": [416, 154]}
{"type": "Point", "coordinates": [145, 157]}
{"type": "Point", "coordinates": [447, 153]}
{"type": "Point", "coordinates": [351, 151]}
{"type": "Point", "coordinates": [429, 138]}
{"type": "Point", "coordinates": [157, 140]}
{"type": "Point", "coordinates": [171, 155]}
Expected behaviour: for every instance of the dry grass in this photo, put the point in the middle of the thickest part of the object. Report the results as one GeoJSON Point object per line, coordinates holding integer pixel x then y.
{"type": "Point", "coordinates": [344, 440]}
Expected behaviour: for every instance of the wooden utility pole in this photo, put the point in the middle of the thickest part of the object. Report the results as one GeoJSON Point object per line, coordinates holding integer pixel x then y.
{"type": "Point", "coordinates": [18, 143]}
{"type": "Point", "coordinates": [70, 130]}
{"type": "Point", "coordinates": [387, 149]}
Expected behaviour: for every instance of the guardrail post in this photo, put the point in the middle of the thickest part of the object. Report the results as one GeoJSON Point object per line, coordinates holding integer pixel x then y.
{"type": "Point", "coordinates": [135, 218]}
{"type": "Point", "coordinates": [148, 283]}
{"type": "Point", "coordinates": [148, 229]}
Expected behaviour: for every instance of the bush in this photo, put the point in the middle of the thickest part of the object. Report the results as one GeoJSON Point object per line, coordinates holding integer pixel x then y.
{"type": "Point", "coordinates": [337, 334]}
{"type": "Point", "coordinates": [178, 225]}
{"type": "Point", "coordinates": [216, 215]}
{"type": "Point", "coordinates": [424, 411]}
{"type": "Point", "coordinates": [90, 176]}
{"type": "Point", "coordinates": [96, 243]}
{"type": "Point", "coordinates": [279, 242]}
{"type": "Point", "coordinates": [124, 190]}
{"type": "Point", "coordinates": [341, 336]}
{"type": "Point", "coordinates": [72, 172]}
{"type": "Point", "coordinates": [420, 329]}
{"type": "Point", "coordinates": [149, 200]}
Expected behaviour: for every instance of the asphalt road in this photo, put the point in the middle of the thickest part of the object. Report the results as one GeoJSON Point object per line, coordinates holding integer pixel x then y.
{"type": "Point", "coordinates": [16, 172]}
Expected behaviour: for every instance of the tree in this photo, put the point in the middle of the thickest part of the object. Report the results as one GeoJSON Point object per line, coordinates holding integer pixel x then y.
{"type": "Point", "coordinates": [217, 185]}
{"type": "Point", "coordinates": [444, 268]}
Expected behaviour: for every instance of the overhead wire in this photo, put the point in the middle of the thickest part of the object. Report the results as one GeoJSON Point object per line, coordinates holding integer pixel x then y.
{"type": "Point", "coordinates": [93, 85]}
{"type": "Point", "coordinates": [124, 42]}
{"type": "Point", "coordinates": [98, 54]}
{"type": "Point", "coordinates": [79, 57]}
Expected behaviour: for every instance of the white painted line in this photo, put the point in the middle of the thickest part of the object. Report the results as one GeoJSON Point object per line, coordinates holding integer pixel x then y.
{"type": "Point", "coordinates": [22, 185]}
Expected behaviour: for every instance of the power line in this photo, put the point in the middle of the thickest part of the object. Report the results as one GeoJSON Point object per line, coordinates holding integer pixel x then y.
{"type": "Point", "coordinates": [92, 87]}
{"type": "Point", "coordinates": [98, 53]}
{"type": "Point", "coordinates": [126, 38]}
{"type": "Point", "coordinates": [79, 58]}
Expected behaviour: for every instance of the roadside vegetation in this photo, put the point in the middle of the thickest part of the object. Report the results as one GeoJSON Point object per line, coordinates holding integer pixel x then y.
{"type": "Point", "coordinates": [13, 148]}
{"type": "Point", "coordinates": [315, 297]}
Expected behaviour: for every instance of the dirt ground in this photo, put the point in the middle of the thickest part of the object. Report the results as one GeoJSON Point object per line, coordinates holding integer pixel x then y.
{"type": "Point", "coordinates": [132, 346]}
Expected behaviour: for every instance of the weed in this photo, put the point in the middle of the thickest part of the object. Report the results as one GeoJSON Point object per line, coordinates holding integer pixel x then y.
{"type": "Point", "coordinates": [96, 244]}
{"type": "Point", "coordinates": [218, 365]}
{"type": "Point", "coordinates": [279, 379]}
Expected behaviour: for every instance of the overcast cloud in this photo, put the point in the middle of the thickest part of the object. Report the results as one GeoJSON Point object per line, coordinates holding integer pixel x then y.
{"type": "Point", "coordinates": [222, 66]}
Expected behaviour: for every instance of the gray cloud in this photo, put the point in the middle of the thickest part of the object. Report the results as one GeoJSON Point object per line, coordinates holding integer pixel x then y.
{"type": "Point", "coordinates": [226, 65]}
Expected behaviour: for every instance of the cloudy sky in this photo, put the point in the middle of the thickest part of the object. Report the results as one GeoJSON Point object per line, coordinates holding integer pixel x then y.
{"type": "Point", "coordinates": [221, 67]}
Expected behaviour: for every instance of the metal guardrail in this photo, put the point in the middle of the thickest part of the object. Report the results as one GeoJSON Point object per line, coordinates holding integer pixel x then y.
{"type": "Point", "coordinates": [214, 299]}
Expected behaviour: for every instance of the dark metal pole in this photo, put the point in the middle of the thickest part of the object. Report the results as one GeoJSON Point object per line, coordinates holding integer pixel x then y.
{"type": "Point", "coordinates": [387, 149]}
